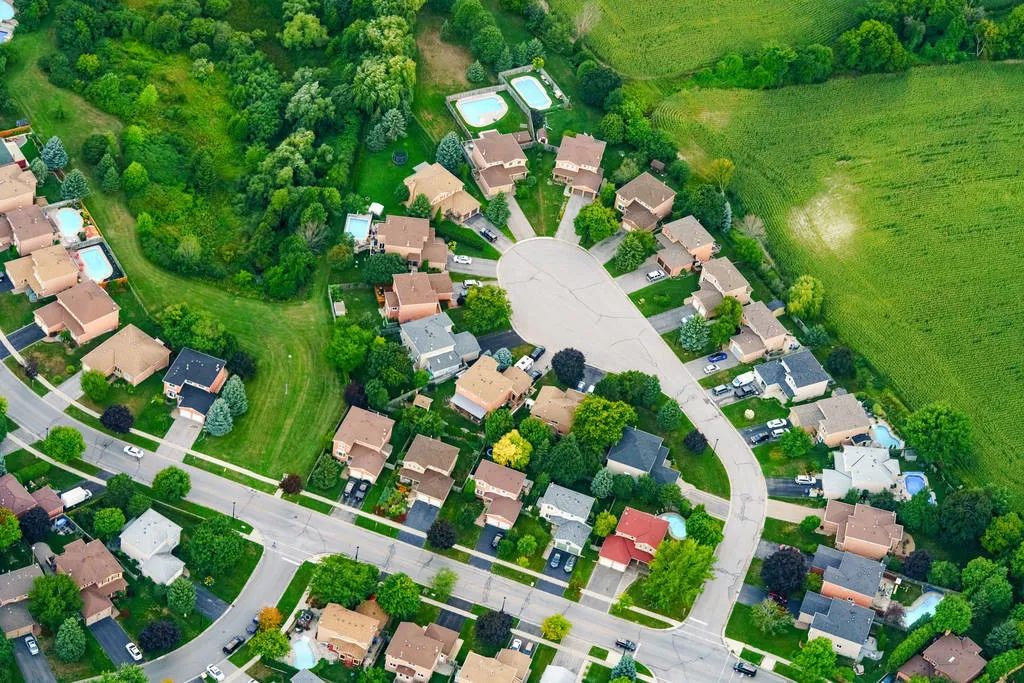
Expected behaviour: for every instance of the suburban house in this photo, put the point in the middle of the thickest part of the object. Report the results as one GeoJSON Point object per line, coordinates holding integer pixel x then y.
{"type": "Point", "coordinates": [27, 228]}
{"type": "Point", "coordinates": [86, 311]}
{"type": "Point", "coordinates": [97, 574]}
{"type": "Point", "coordinates": [644, 201]}
{"type": "Point", "coordinates": [428, 467]}
{"type": "Point", "coordinates": [685, 245]}
{"type": "Point", "coordinates": [498, 162]}
{"type": "Point", "coordinates": [482, 388]}
{"type": "Point", "coordinates": [415, 652]}
{"type": "Point", "coordinates": [17, 187]}
{"type": "Point", "coordinates": [413, 239]}
{"type": "Point", "coordinates": [362, 442]}
{"type": "Point", "coordinates": [636, 537]}
{"type": "Point", "coordinates": [499, 487]}
{"type": "Point", "coordinates": [639, 452]}
{"type": "Point", "coordinates": [847, 576]}
{"type": "Point", "coordinates": [350, 634]}
{"type": "Point", "coordinates": [558, 674]}
{"type": "Point", "coordinates": [194, 380]}
{"type": "Point", "coordinates": [719, 278]}
{"type": "Point", "coordinates": [149, 539]}
{"type": "Point", "coordinates": [578, 164]}
{"type": "Point", "coordinates": [793, 378]}
{"type": "Point", "coordinates": [861, 468]}
{"type": "Point", "coordinates": [10, 151]}
{"type": "Point", "coordinates": [446, 193]}
{"type": "Point", "coordinates": [760, 333]}
{"type": "Point", "coordinates": [950, 658]}
{"type": "Point", "coordinates": [567, 511]}
{"type": "Point", "coordinates": [15, 619]}
{"type": "Point", "coordinates": [508, 666]}
{"type": "Point", "coordinates": [130, 354]}
{"type": "Point", "coordinates": [832, 421]}
{"type": "Point", "coordinates": [417, 295]}
{"type": "Point", "coordinates": [43, 273]}
{"type": "Point", "coordinates": [845, 624]}
{"type": "Point", "coordinates": [862, 529]}
{"type": "Point", "coordinates": [556, 408]}
{"type": "Point", "coordinates": [434, 348]}
{"type": "Point", "coordinates": [18, 500]}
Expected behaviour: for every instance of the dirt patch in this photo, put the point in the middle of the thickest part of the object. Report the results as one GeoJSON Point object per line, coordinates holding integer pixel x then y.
{"type": "Point", "coordinates": [440, 63]}
{"type": "Point", "coordinates": [826, 218]}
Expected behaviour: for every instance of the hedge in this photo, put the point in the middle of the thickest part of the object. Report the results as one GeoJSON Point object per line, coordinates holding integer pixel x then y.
{"type": "Point", "coordinates": [914, 641]}
{"type": "Point", "coordinates": [33, 471]}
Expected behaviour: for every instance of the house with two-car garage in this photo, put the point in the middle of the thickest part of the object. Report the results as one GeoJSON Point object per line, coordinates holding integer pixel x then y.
{"type": "Point", "coordinates": [194, 380]}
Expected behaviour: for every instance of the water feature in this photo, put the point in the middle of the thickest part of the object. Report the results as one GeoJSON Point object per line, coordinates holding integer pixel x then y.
{"type": "Point", "coordinates": [6, 10]}
{"type": "Point", "coordinates": [95, 263]}
{"type": "Point", "coordinates": [924, 606]}
{"type": "Point", "coordinates": [531, 90]}
{"type": "Point", "coordinates": [69, 223]}
{"type": "Point", "coordinates": [482, 110]}
{"type": "Point", "coordinates": [358, 225]}
{"type": "Point", "coordinates": [883, 436]}
{"type": "Point", "coordinates": [303, 656]}
{"type": "Point", "coordinates": [676, 525]}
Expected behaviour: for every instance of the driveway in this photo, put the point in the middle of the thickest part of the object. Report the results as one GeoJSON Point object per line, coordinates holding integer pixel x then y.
{"type": "Point", "coordinates": [606, 248]}
{"type": "Point", "coordinates": [112, 639]}
{"type": "Point", "coordinates": [479, 222]}
{"type": "Point", "coordinates": [450, 620]}
{"type": "Point", "coordinates": [751, 595]}
{"type": "Point", "coordinates": [483, 544]}
{"type": "Point", "coordinates": [696, 366]}
{"type": "Point", "coordinates": [492, 342]}
{"type": "Point", "coordinates": [481, 267]}
{"type": "Point", "coordinates": [420, 516]}
{"type": "Point", "coordinates": [23, 337]}
{"type": "Point", "coordinates": [566, 228]}
{"type": "Point", "coordinates": [183, 432]}
{"type": "Point", "coordinates": [33, 668]}
{"type": "Point", "coordinates": [636, 280]}
{"type": "Point", "coordinates": [786, 487]}
{"type": "Point", "coordinates": [604, 581]}
{"type": "Point", "coordinates": [671, 320]}
{"type": "Point", "coordinates": [517, 222]}
{"type": "Point", "coordinates": [208, 604]}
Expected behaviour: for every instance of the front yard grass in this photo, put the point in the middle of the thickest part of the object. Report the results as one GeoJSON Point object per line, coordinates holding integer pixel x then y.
{"type": "Point", "coordinates": [146, 402]}
{"type": "Point", "coordinates": [789, 533]}
{"type": "Point", "coordinates": [775, 463]}
{"type": "Point", "coordinates": [461, 509]}
{"type": "Point", "coordinates": [585, 564]}
{"type": "Point", "coordinates": [15, 309]}
{"type": "Point", "coordinates": [19, 372]}
{"type": "Point", "coordinates": [142, 606]}
{"type": "Point", "coordinates": [665, 295]}
{"type": "Point", "coordinates": [724, 376]}
{"type": "Point", "coordinates": [542, 204]}
{"type": "Point", "coordinates": [84, 417]}
{"type": "Point", "coordinates": [684, 355]}
{"type": "Point", "coordinates": [765, 409]}
{"type": "Point", "coordinates": [542, 658]}
{"type": "Point", "coordinates": [228, 473]}
{"type": "Point", "coordinates": [93, 663]}
{"type": "Point", "coordinates": [741, 627]}
{"type": "Point", "coordinates": [753, 577]}
{"type": "Point", "coordinates": [705, 471]}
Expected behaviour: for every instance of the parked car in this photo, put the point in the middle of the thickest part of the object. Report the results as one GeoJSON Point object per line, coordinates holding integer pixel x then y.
{"type": "Point", "coordinates": [232, 645]}
{"type": "Point", "coordinates": [349, 486]}
{"type": "Point", "coordinates": [745, 669]}
{"type": "Point", "coordinates": [655, 275]}
{"type": "Point", "coordinates": [776, 433]}
{"type": "Point", "coordinates": [463, 259]}
{"type": "Point", "coordinates": [710, 369]}
{"type": "Point", "coordinates": [528, 648]}
{"type": "Point", "coordinates": [627, 645]}
{"type": "Point", "coordinates": [537, 353]}
{"type": "Point", "coordinates": [471, 283]}
{"type": "Point", "coordinates": [717, 357]}
{"type": "Point", "coordinates": [742, 380]}
{"type": "Point", "coordinates": [556, 559]}
{"type": "Point", "coordinates": [134, 652]}
{"type": "Point", "coordinates": [488, 235]}
{"type": "Point", "coordinates": [777, 424]}
{"type": "Point", "coordinates": [496, 540]}
{"type": "Point", "coordinates": [590, 389]}
{"type": "Point", "coordinates": [363, 485]}
{"type": "Point", "coordinates": [760, 437]}
{"type": "Point", "coordinates": [253, 626]}
{"type": "Point", "coordinates": [581, 385]}
{"type": "Point", "coordinates": [134, 451]}
{"type": "Point", "coordinates": [744, 391]}
{"type": "Point", "coordinates": [778, 598]}
{"type": "Point", "coordinates": [536, 375]}
{"type": "Point", "coordinates": [570, 564]}
{"type": "Point", "coordinates": [32, 645]}
{"type": "Point", "coordinates": [516, 643]}
{"type": "Point", "coordinates": [214, 673]}
{"type": "Point", "coordinates": [805, 480]}
{"type": "Point", "coordinates": [720, 389]}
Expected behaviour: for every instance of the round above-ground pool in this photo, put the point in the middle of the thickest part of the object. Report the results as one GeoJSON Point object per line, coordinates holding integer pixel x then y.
{"type": "Point", "coordinates": [482, 110]}
{"type": "Point", "coordinates": [69, 222]}
{"type": "Point", "coordinates": [531, 90]}
{"type": "Point", "coordinates": [6, 10]}
{"type": "Point", "coordinates": [676, 525]}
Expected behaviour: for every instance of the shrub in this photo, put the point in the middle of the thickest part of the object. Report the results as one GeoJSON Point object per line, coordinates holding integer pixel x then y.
{"type": "Point", "coordinates": [117, 418]}
{"type": "Point", "coordinates": [159, 635]}
{"type": "Point", "coordinates": [291, 484]}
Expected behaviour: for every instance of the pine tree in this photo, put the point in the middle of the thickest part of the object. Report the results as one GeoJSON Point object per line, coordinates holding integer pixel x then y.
{"type": "Point", "coordinates": [694, 334]}
{"type": "Point", "coordinates": [54, 154]}
{"type": "Point", "coordinates": [234, 395]}
{"type": "Point", "coordinates": [476, 73]}
{"type": "Point", "coordinates": [449, 151]}
{"type": "Point", "coordinates": [393, 123]}
{"type": "Point", "coordinates": [74, 186]}
{"type": "Point", "coordinates": [218, 419]}
{"type": "Point", "coordinates": [376, 139]}
{"type": "Point", "coordinates": [3, 464]}
{"type": "Point", "coordinates": [626, 668]}
{"type": "Point", "coordinates": [727, 217]}
{"type": "Point", "coordinates": [39, 170]}
{"type": "Point", "coordinates": [111, 181]}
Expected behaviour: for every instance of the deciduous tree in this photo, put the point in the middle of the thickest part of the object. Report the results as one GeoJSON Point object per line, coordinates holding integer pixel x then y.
{"type": "Point", "coordinates": [63, 443]}
{"type": "Point", "coordinates": [118, 418]}
{"type": "Point", "coordinates": [918, 564]}
{"type": "Point", "coordinates": [95, 386]}
{"type": "Point", "coordinates": [497, 210]}
{"type": "Point", "coordinates": [783, 571]}
{"type": "Point", "coordinates": [678, 572]}
{"type": "Point", "coordinates": [795, 443]}
{"type": "Point", "coordinates": [816, 659]}
{"type": "Point", "coordinates": [598, 423]}
{"type": "Point", "coordinates": [595, 222]}
{"type": "Point", "coordinates": [443, 583]}
{"type": "Point", "coordinates": [805, 297]}
{"type": "Point", "coordinates": [493, 628]}
{"type": "Point", "coordinates": [54, 598]}
{"type": "Point", "coordinates": [399, 596]}
{"type": "Point", "coordinates": [35, 525]}
{"type": "Point", "coordinates": [965, 514]}
{"type": "Point", "coordinates": [380, 269]}
{"type": "Point", "coordinates": [70, 641]}
{"type": "Point", "coordinates": [342, 580]}
{"type": "Point", "coordinates": [171, 484]}
{"type": "Point", "coordinates": [487, 310]}
{"type": "Point", "coordinates": [108, 522]}
{"type": "Point", "coordinates": [214, 547]}
{"type": "Point", "coordinates": [272, 644]}
{"type": "Point", "coordinates": [497, 424]}
{"type": "Point", "coordinates": [10, 531]}
{"type": "Point", "coordinates": [703, 528]}
{"type": "Point", "coordinates": [769, 617]}
{"type": "Point", "coordinates": [555, 627]}
{"type": "Point", "coordinates": [605, 523]}
{"type": "Point", "coordinates": [940, 435]}
{"type": "Point", "coordinates": [160, 635]}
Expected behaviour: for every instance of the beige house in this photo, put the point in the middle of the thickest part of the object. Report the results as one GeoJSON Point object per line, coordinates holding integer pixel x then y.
{"type": "Point", "coordinates": [44, 272]}
{"type": "Point", "coordinates": [362, 442]}
{"type": "Point", "coordinates": [350, 634]}
{"type": "Point", "coordinates": [27, 228]}
{"type": "Point", "coordinates": [428, 467]}
{"type": "Point", "coordinates": [508, 666]}
{"type": "Point", "coordinates": [498, 162]}
{"type": "Point", "coordinates": [556, 408]}
{"type": "Point", "coordinates": [482, 389]}
{"type": "Point", "coordinates": [130, 354]}
{"type": "Point", "coordinates": [862, 529]}
{"type": "Point", "coordinates": [15, 619]}
{"type": "Point", "coordinates": [719, 278]}
{"type": "Point", "coordinates": [950, 658]}
{"type": "Point", "coordinates": [644, 201]}
{"type": "Point", "coordinates": [446, 193]}
{"type": "Point", "coordinates": [17, 187]}
{"type": "Point", "coordinates": [18, 500]}
{"type": "Point", "coordinates": [578, 164]}
{"type": "Point", "coordinates": [499, 487]}
{"type": "Point", "coordinates": [685, 245]}
{"type": "Point", "coordinates": [832, 421]}
{"type": "Point", "coordinates": [97, 574]}
{"type": "Point", "coordinates": [413, 239]}
{"type": "Point", "coordinates": [415, 652]}
{"type": "Point", "coordinates": [417, 295]}
{"type": "Point", "coordinates": [86, 311]}
{"type": "Point", "coordinates": [761, 333]}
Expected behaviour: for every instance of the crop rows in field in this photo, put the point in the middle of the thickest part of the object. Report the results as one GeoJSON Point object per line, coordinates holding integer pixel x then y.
{"type": "Point", "coordinates": [903, 194]}
{"type": "Point", "coordinates": [659, 38]}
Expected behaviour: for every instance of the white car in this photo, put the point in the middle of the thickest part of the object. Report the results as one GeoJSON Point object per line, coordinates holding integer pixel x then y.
{"type": "Point", "coordinates": [214, 673]}
{"type": "Point", "coordinates": [464, 260]}
{"type": "Point", "coordinates": [710, 369]}
{"type": "Point", "coordinates": [655, 275]}
{"type": "Point", "coordinates": [804, 479]}
{"type": "Point", "coordinates": [777, 424]}
{"type": "Point", "coordinates": [134, 652]}
{"type": "Point", "coordinates": [134, 451]}
{"type": "Point", "coordinates": [32, 645]}
{"type": "Point", "coordinates": [471, 283]}
{"type": "Point", "coordinates": [516, 643]}
{"type": "Point", "coordinates": [776, 433]}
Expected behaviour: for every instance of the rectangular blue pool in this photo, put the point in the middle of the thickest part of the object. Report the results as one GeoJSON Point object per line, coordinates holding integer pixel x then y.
{"type": "Point", "coordinates": [358, 225]}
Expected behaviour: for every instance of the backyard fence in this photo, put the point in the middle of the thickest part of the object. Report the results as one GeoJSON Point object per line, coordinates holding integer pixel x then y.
{"type": "Point", "coordinates": [449, 103]}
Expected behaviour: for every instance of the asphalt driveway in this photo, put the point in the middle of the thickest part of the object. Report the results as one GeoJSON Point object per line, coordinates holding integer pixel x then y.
{"type": "Point", "coordinates": [481, 267]}
{"type": "Point", "coordinates": [23, 337]}
{"type": "Point", "coordinates": [480, 222]}
{"type": "Point", "coordinates": [112, 639]}
{"type": "Point", "coordinates": [507, 339]}
{"type": "Point", "coordinates": [420, 517]}
{"type": "Point", "coordinates": [483, 544]}
{"type": "Point", "coordinates": [33, 667]}
{"type": "Point", "coordinates": [780, 486]}
{"type": "Point", "coordinates": [208, 604]}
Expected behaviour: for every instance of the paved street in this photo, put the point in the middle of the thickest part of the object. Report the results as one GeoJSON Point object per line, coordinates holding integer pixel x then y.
{"type": "Point", "coordinates": [517, 222]}
{"type": "Point", "coordinates": [566, 226]}
{"type": "Point", "coordinates": [481, 267]}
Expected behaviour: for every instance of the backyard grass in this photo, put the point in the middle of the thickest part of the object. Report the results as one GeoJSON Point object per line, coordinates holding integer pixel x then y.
{"type": "Point", "coordinates": [741, 627]}
{"type": "Point", "coordinates": [829, 193]}
{"type": "Point", "coordinates": [775, 463]}
{"type": "Point", "coordinates": [665, 295]}
{"type": "Point", "coordinates": [788, 533]}
{"type": "Point", "coordinates": [765, 409]}
{"type": "Point", "coordinates": [440, 71]}
{"type": "Point", "coordinates": [512, 122]}
{"type": "Point", "coordinates": [542, 203]}
{"type": "Point", "coordinates": [15, 309]}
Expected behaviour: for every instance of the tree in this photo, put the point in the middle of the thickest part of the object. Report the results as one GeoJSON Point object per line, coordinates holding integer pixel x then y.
{"type": "Point", "coordinates": [10, 531]}
{"type": "Point", "coordinates": [840, 362]}
{"type": "Point", "coordinates": [487, 310]}
{"type": "Point", "coordinates": [747, 249]}
{"type": "Point", "coordinates": [181, 596]}
{"type": "Point", "coordinates": [504, 358]}
{"type": "Point", "coordinates": [325, 474]}
{"type": "Point", "coordinates": [598, 423]}
{"type": "Point", "coordinates": [918, 564]}
{"type": "Point", "coordinates": [117, 418]}
{"type": "Point", "coordinates": [272, 644]}
{"type": "Point", "coordinates": [601, 485]}
{"type": "Point", "coordinates": [1003, 534]}
{"type": "Point", "coordinates": [475, 73]}
{"type": "Point", "coordinates": [945, 573]}
{"type": "Point", "coordinates": [536, 431]}
{"type": "Point", "coordinates": [449, 151]}
{"type": "Point", "coordinates": [63, 443]}
{"type": "Point", "coordinates": [695, 334]}
{"type": "Point", "coordinates": [871, 47]}
{"type": "Point", "coordinates": [344, 581]}
{"type": "Point", "coordinates": [965, 514]}
{"type": "Point", "coordinates": [633, 249]}
{"type": "Point", "coordinates": [497, 210]}
{"type": "Point", "coordinates": [269, 618]}
{"type": "Point", "coordinates": [695, 442]}
{"type": "Point", "coordinates": [1005, 636]}
{"type": "Point", "coordinates": [919, 514]}
{"type": "Point", "coordinates": [218, 419]}
{"type": "Point", "coordinates": [555, 627]}
{"type": "Point", "coordinates": [493, 628]}
{"type": "Point", "coordinates": [214, 547]}
{"type": "Point", "coordinates": [441, 534]}
{"type": "Point", "coordinates": [54, 598]}
{"type": "Point", "coordinates": [70, 641]}
{"type": "Point", "coordinates": [443, 583]}
{"type": "Point", "coordinates": [597, 82]}
{"type": "Point", "coordinates": [703, 528]}
{"type": "Point", "coordinates": [497, 424]}
{"type": "Point", "coordinates": [940, 435]}
{"type": "Point", "coordinates": [795, 443]}
{"type": "Point", "coordinates": [954, 614]}
{"type": "Point", "coordinates": [605, 523]}
{"type": "Point", "coordinates": [420, 206]}
{"type": "Point", "coordinates": [769, 617]}
{"type": "Point", "coordinates": [625, 668]}
{"type": "Point", "coordinates": [303, 31]}
{"type": "Point", "coordinates": [399, 596]}
{"type": "Point", "coordinates": [160, 635]}
{"type": "Point", "coordinates": [95, 386]}
{"type": "Point", "coordinates": [171, 484]}
{"type": "Point", "coordinates": [108, 522]}
{"type": "Point", "coordinates": [53, 154]}
{"type": "Point", "coordinates": [784, 571]}
{"type": "Point", "coordinates": [137, 504]}
{"type": "Point", "coordinates": [810, 523]}
{"type": "Point", "coordinates": [566, 463]}
{"type": "Point", "coordinates": [720, 172]}
{"type": "Point", "coordinates": [568, 364]}
{"type": "Point", "coordinates": [234, 394]}
{"type": "Point", "coordinates": [35, 525]}
{"type": "Point", "coordinates": [805, 297]}
{"type": "Point", "coordinates": [595, 222]}
{"type": "Point", "coordinates": [678, 572]}
{"type": "Point", "coordinates": [348, 346]}
{"type": "Point", "coordinates": [816, 659]}
{"type": "Point", "coordinates": [128, 673]}
{"type": "Point", "coordinates": [134, 178]}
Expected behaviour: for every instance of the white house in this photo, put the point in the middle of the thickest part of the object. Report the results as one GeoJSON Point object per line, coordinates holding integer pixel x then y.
{"type": "Point", "coordinates": [149, 540]}
{"type": "Point", "coordinates": [862, 468]}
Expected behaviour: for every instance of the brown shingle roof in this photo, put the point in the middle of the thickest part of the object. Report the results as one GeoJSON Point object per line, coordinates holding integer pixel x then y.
{"type": "Point", "coordinates": [87, 302]}
{"type": "Point", "coordinates": [365, 427]}
{"type": "Point", "coordinates": [582, 150]}
{"type": "Point", "coordinates": [497, 148]}
{"type": "Point", "coordinates": [762, 321]}
{"type": "Point", "coordinates": [863, 522]}
{"type": "Point", "coordinates": [87, 563]}
{"type": "Point", "coordinates": [639, 216]}
{"type": "Point", "coordinates": [432, 181]}
{"type": "Point", "coordinates": [834, 414]}
{"type": "Point", "coordinates": [336, 621]}
{"type": "Point", "coordinates": [404, 231]}
{"type": "Point", "coordinates": [413, 288]}
{"type": "Point", "coordinates": [411, 643]}
{"type": "Point", "coordinates": [14, 496]}
{"type": "Point", "coordinates": [15, 181]}
{"type": "Point", "coordinates": [370, 462]}
{"type": "Point", "coordinates": [432, 454]}
{"type": "Point", "coordinates": [29, 222]}
{"type": "Point", "coordinates": [130, 350]}
{"type": "Point", "coordinates": [725, 273]}
{"type": "Point", "coordinates": [556, 407]}
{"type": "Point", "coordinates": [483, 380]}
{"type": "Point", "coordinates": [480, 669]}
{"type": "Point", "coordinates": [647, 189]}
{"type": "Point", "coordinates": [500, 477]}
{"type": "Point", "coordinates": [688, 232]}
{"type": "Point", "coordinates": [955, 658]}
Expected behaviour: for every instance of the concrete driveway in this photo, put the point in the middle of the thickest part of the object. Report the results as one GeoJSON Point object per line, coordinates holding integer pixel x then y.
{"type": "Point", "coordinates": [604, 581]}
{"type": "Point", "coordinates": [23, 337]}
{"type": "Point", "coordinates": [606, 248]}
{"type": "Point", "coordinates": [517, 222]}
{"type": "Point", "coordinates": [479, 222]}
{"type": "Point", "coordinates": [566, 228]}
{"type": "Point", "coordinates": [33, 667]}
{"type": "Point", "coordinates": [183, 432]}
{"type": "Point", "coordinates": [480, 267]}
{"type": "Point", "coordinates": [672, 319]}
{"type": "Point", "coordinates": [637, 280]}
{"type": "Point", "coordinates": [696, 366]}
{"type": "Point", "coordinates": [112, 639]}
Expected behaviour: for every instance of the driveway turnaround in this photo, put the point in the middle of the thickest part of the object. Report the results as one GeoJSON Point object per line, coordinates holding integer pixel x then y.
{"type": "Point", "coordinates": [113, 640]}
{"type": "Point", "coordinates": [561, 296]}
{"type": "Point", "coordinates": [637, 279]}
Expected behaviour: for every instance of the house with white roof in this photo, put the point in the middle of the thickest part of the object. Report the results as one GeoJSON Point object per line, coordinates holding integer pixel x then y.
{"type": "Point", "coordinates": [861, 468]}
{"type": "Point", "coordinates": [149, 540]}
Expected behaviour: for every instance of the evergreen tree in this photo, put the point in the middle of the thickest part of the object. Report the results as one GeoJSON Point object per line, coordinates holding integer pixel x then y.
{"type": "Point", "coordinates": [476, 73]}
{"type": "Point", "coordinates": [449, 151]}
{"type": "Point", "coordinates": [3, 464]}
{"type": "Point", "coordinates": [376, 139]}
{"type": "Point", "coordinates": [70, 642]}
{"type": "Point", "coordinates": [497, 211]}
{"type": "Point", "coordinates": [393, 124]}
{"type": "Point", "coordinates": [181, 596]}
{"type": "Point", "coordinates": [39, 170]}
{"type": "Point", "coordinates": [727, 217]}
{"type": "Point", "coordinates": [53, 154]}
{"type": "Point", "coordinates": [234, 395]}
{"type": "Point", "coordinates": [111, 181]}
{"type": "Point", "coordinates": [694, 335]}
{"type": "Point", "coordinates": [218, 419]}
{"type": "Point", "coordinates": [601, 486]}
{"type": "Point", "coordinates": [74, 186]}
{"type": "Point", "coordinates": [626, 668]}
{"type": "Point", "coordinates": [420, 206]}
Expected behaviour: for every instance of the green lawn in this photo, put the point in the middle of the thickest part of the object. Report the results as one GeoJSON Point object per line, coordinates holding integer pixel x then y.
{"type": "Point", "coordinates": [753, 576]}
{"type": "Point", "coordinates": [227, 473]}
{"type": "Point", "coordinates": [542, 657]}
{"type": "Point", "coordinates": [597, 674]}
{"type": "Point", "coordinates": [705, 471]}
{"type": "Point", "coordinates": [85, 418]}
{"type": "Point", "coordinates": [467, 240]}
{"type": "Point", "coordinates": [57, 477]}
{"type": "Point", "coordinates": [779, 531]}
{"type": "Point", "coordinates": [33, 384]}
{"type": "Point", "coordinates": [637, 617]}
{"type": "Point", "coordinates": [754, 658]}
{"type": "Point", "coordinates": [724, 376]}
{"type": "Point", "coordinates": [440, 71]}
{"type": "Point", "coordinates": [15, 310]}
{"type": "Point", "coordinates": [664, 295]}
{"type": "Point", "coordinates": [146, 402]}
{"type": "Point", "coordinates": [765, 409]}
{"type": "Point", "coordinates": [93, 663]}
{"type": "Point", "coordinates": [543, 202]}
{"type": "Point", "coordinates": [466, 533]}
{"type": "Point", "coordinates": [684, 355]}
{"type": "Point", "coordinates": [581, 574]}
{"type": "Point", "coordinates": [775, 463]}
{"type": "Point", "coordinates": [741, 627]}
{"type": "Point", "coordinates": [142, 606]}
{"type": "Point", "coordinates": [15, 556]}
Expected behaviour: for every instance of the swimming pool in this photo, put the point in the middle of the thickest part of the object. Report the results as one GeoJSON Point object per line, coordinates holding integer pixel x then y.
{"type": "Point", "coordinates": [532, 91]}
{"type": "Point", "coordinates": [69, 222]}
{"type": "Point", "coordinates": [914, 482]}
{"type": "Point", "coordinates": [6, 10]}
{"type": "Point", "coordinates": [924, 606]}
{"type": "Point", "coordinates": [358, 225]}
{"type": "Point", "coordinates": [95, 263]}
{"type": "Point", "coordinates": [303, 656]}
{"type": "Point", "coordinates": [884, 438]}
{"type": "Point", "coordinates": [482, 110]}
{"type": "Point", "coordinates": [676, 525]}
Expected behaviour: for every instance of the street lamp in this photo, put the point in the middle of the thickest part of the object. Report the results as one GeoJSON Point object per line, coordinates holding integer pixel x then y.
{"type": "Point", "coordinates": [232, 509]}
{"type": "Point", "coordinates": [357, 554]}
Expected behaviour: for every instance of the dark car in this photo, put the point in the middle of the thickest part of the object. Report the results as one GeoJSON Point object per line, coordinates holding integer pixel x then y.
{"type": "Point", "coordinates": [779, 599]}
{"type": "Point", "coordinates": [760, 437]}
{"type": "Point", "coordinates": [232, 645]}
{"type": "Point", "coordinates": [717, 357]}
{"type": "Point", "coordinates": [627, 645]}
{"type": "Point", "coordinates": [488, 235]}
{"type": "Point", "coordinates": [536, 375]}
{"type": "Point", "coordinates": [745, 669]}
{"type": "Point", "coordinates": [744, 391]}
{"type": "Point", "coordinates": [537, 353]}
{"type": "Point", "coordinates": [253, 626]}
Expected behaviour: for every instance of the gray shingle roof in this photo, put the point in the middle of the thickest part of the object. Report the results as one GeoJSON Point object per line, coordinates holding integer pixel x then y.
{"type": "Point", "coordinates": [638, 449]}
{"type": "Point", "coordinates": [842, 619]}
{"type": "Point", "coordinates": [430, 333]}
{"type": "Point", "coordinates": [573, 532]}
{"type": "Point", "coordinates": [571, 502]}
{"type": "Point", "coordinates": [825, 557]}
{"type": "Point", "coordinates": [193, 366]}
{"type": "Point", "coordinates": [804, 368]}
{"type": "Point", "coordinates": [856, 573]}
